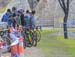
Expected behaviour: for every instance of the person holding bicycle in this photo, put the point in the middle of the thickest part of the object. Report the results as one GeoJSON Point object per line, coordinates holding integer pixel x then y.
{"type": "Point", "coordinates": [29, 19]}
{"type": "Point", "coordinates": [32, 19]}
{"type": "Point", "coordinates": [29, 25]}
{"type": "Point", "coordinates": [6, 16]}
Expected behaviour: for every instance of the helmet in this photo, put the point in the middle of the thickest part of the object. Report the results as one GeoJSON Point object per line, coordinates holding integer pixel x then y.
{"type": "Point", "coordinates": [20, 10]}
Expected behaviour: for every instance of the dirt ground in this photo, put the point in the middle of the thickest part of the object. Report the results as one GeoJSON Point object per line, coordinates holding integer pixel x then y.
{"type": "Point", "coordinates": [29, 52]}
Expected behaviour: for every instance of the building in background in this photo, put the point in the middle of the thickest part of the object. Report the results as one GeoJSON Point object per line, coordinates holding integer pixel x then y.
{"type": "Point", "coordinates": [48, 12]}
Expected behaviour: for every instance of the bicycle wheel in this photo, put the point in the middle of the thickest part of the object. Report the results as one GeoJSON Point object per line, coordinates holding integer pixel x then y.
{"type": "Point", "coordinates": [34, 39]}
{"type": "Point", "coordinates": [7, 42]}
{"type": "Point", "coordinates": [24, 43]}
{"type": "Point", "coordinates": [38, 35]}
{"type": "Point", "coordinates": [28, 39]}
{"type": "Point", "coordinates": [24, 36]}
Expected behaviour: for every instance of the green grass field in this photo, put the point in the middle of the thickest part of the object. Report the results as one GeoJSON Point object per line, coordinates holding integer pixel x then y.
{"type": "Point", "coordinates": [56, 46]}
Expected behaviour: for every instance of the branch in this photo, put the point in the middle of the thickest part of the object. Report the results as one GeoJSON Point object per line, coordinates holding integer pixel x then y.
{"type": "Point", "coordinates": [60, 2]}
{"type": "Point", "coordinates": [64, 5]}
{"type": "Point", "coordinates": [68, 2]}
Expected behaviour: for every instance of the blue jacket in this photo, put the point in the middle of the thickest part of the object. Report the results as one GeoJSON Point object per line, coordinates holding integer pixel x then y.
{"type": "Point", "coordinates": [5, 17]}
{"type": "Point", "coordinates": [29, 21]}
{"type": "Point", "coordinates": [12, 22]}
{"type": "Point", "coordinates": [32, 21]}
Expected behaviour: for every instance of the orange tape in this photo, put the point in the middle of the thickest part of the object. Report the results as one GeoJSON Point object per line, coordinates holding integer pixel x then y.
{"type": "Point", "coordinates": [14, 49]}
{"type": "Point", "coordinates": [20, 49]}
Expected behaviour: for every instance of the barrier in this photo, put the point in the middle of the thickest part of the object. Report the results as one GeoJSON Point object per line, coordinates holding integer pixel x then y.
{"type": "Point", "coordinates": [21, 47]}
{"type": "Point", "coordinates": [14, 50]}
{"type": "Point", "coordinates": [17, 48]}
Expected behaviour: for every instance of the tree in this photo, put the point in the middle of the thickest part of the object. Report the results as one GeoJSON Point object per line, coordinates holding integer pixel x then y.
{"type": "Point", "coordinates": [65, 7]}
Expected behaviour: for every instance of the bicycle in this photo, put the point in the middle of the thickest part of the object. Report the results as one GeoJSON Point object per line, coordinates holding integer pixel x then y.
{"type": "Point", "coordinates": [4, 36]}
{"type": "Point", "coordinates": [31, 36]}
{"type": "Point", "coordinates": [27, 36]}
{"type": "Point", "coordinates": [36, 35]}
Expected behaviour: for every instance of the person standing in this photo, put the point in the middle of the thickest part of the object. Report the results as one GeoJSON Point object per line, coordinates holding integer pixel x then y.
{"type": "Point", "coordinates": [32, 19]}
{"type": "Point", "coordinates": [6, 16]}
{"type": "Point", "coordinates": [27, 19]}
{"type": "Point", "coordinates": [12, 20]}
{"type": "Point", "coordinates": [22, 17]}
{"type": "Point", "coordinates": [18, 20]}
{"type": "Point", "coordinates": [14, 10]}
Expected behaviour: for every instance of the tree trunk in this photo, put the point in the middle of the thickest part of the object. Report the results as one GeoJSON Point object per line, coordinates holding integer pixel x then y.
{"type": "Point", "coordinates": [65, 26]}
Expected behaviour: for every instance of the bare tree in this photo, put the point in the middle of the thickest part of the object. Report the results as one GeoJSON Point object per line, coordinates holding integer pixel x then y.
{"type": "Point", "coordinates": [65, 7]}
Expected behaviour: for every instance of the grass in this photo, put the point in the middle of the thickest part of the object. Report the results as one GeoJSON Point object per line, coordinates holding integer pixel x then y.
{"type": "Point", "coordinates": [70, 44]}
{"type": "Point", "coordinates": [56, 46]}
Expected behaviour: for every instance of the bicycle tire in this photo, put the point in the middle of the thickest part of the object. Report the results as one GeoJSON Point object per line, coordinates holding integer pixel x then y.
{"type": "Point", "coordinates": [38, 35]}
{"type": "Point", "coordinates": [34, 37]}
{"type": "Point", "coordinates": [28, 39]}
{"type": "Point", "coordinates": [24, 41]}
{"type": "Point", "coordinates": [7, 42]}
